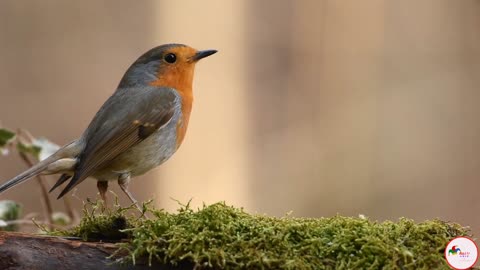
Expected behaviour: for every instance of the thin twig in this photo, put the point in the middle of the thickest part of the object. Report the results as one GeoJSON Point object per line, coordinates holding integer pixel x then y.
{"type": "Point", "coordinates": [30, 222]}
{"type": "Point", "coordinates": [27, 137]}
{"type": "Point", "coordinates": [43, 189]}
{"type": "Point", "coordinates": [68, 206]}
{"type": "Point", "coordinates": [71, 214]}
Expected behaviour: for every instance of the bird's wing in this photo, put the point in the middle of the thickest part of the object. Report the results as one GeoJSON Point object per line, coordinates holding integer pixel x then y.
{"type": "Point", "coordinates": [128, 117]}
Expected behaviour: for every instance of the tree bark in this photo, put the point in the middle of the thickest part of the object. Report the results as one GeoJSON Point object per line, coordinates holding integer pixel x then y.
{"type": "Point", "coordinates": [36, 252]}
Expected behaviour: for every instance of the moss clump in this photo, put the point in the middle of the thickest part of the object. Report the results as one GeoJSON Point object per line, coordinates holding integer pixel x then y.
{"type": "Point", "coordinates": [223, 237]}
{"type": "Point", "coordinates": [101, 224]}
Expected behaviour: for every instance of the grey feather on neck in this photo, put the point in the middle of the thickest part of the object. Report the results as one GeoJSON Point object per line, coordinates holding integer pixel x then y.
{"type": "Point", "coordinates": [139, 74]}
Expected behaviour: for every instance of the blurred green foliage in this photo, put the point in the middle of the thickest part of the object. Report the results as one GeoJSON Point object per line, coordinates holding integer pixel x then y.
{"type": "Point", "coordinates": [9, 210]}
{"type": "Point", "coordinates": [6, 136]}
{"type": "Point", "coordinates": [39, 148]}
{"type": "Point", "coordinates": [32, 150]}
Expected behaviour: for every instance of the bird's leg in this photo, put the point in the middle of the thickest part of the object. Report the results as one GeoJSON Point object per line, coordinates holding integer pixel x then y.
{"type": "Point", "coordinates": [123, 181]}
{"type": "Point", "coordinates": [102, 188]}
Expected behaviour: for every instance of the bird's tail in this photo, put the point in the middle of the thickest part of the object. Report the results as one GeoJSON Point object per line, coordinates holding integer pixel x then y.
{"type": "Point", "coordinates": [63, 160]}
{"type": "Point", "coordinates": [33, 171]}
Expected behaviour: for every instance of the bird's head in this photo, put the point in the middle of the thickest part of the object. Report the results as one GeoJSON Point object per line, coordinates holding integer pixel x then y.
{"type": "Point", "coordinates": [170, 65]}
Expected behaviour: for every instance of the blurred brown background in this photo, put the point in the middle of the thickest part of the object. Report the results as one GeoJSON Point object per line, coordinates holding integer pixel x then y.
{"type": "Point", "coordinates": [320, 107]}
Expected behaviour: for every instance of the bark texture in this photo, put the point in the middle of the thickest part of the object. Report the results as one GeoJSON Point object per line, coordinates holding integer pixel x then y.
{"type": "Point", "coordinates": [35, 252]}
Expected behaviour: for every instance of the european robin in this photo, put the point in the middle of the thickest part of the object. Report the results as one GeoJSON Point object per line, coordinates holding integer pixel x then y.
{"type": "Point", "coordinates": [138, 128]}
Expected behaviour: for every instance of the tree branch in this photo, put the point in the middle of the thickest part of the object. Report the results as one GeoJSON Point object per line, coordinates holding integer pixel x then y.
{"type": "Point", "coordinates": [24, 251]}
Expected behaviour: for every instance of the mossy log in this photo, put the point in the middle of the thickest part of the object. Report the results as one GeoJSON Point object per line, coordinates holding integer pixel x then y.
{"type": "Point", "coordinates": [37, 252]}
{"type": "Point", "coordinates": [219, 236]}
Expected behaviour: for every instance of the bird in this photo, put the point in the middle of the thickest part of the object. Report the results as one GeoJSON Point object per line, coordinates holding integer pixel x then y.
{"type": "Point", "coordinates": [140, 126]}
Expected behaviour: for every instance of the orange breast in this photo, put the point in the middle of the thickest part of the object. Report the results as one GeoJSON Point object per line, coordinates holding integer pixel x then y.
{"type": "Point", "coordinates": [182, 125]}
{"type": "Point", "coordinates": [179, 78]}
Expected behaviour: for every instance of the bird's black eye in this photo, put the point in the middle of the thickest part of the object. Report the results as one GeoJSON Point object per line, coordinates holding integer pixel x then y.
{"type": "Point", "coordinates": [170, 58]}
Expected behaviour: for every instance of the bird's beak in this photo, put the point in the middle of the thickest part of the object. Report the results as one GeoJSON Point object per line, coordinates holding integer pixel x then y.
{"type": "Point", "coordinates": [202, 54]}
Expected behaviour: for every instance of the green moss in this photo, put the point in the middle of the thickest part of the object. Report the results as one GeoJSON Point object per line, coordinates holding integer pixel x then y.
{"type": "Point", "coordinates": [101, 224]}
{"type": "Point", "coordinates": [223, 237]}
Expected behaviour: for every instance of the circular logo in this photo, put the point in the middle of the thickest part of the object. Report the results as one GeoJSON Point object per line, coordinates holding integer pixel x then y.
{"type": "Point", "coordinates": [461, 253]}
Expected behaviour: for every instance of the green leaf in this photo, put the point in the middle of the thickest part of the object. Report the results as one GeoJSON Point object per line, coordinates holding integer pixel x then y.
{"type": "Point", "coordinates": [6, 136]}
{"type": "Point", "coordinates": [40, 148]}
{"type": "Point", "coordinates": [29, 149]}
{"type": "Point", "coordinates": [47, 148]}
{"type": "Point", "coordinates": [9, 210]}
